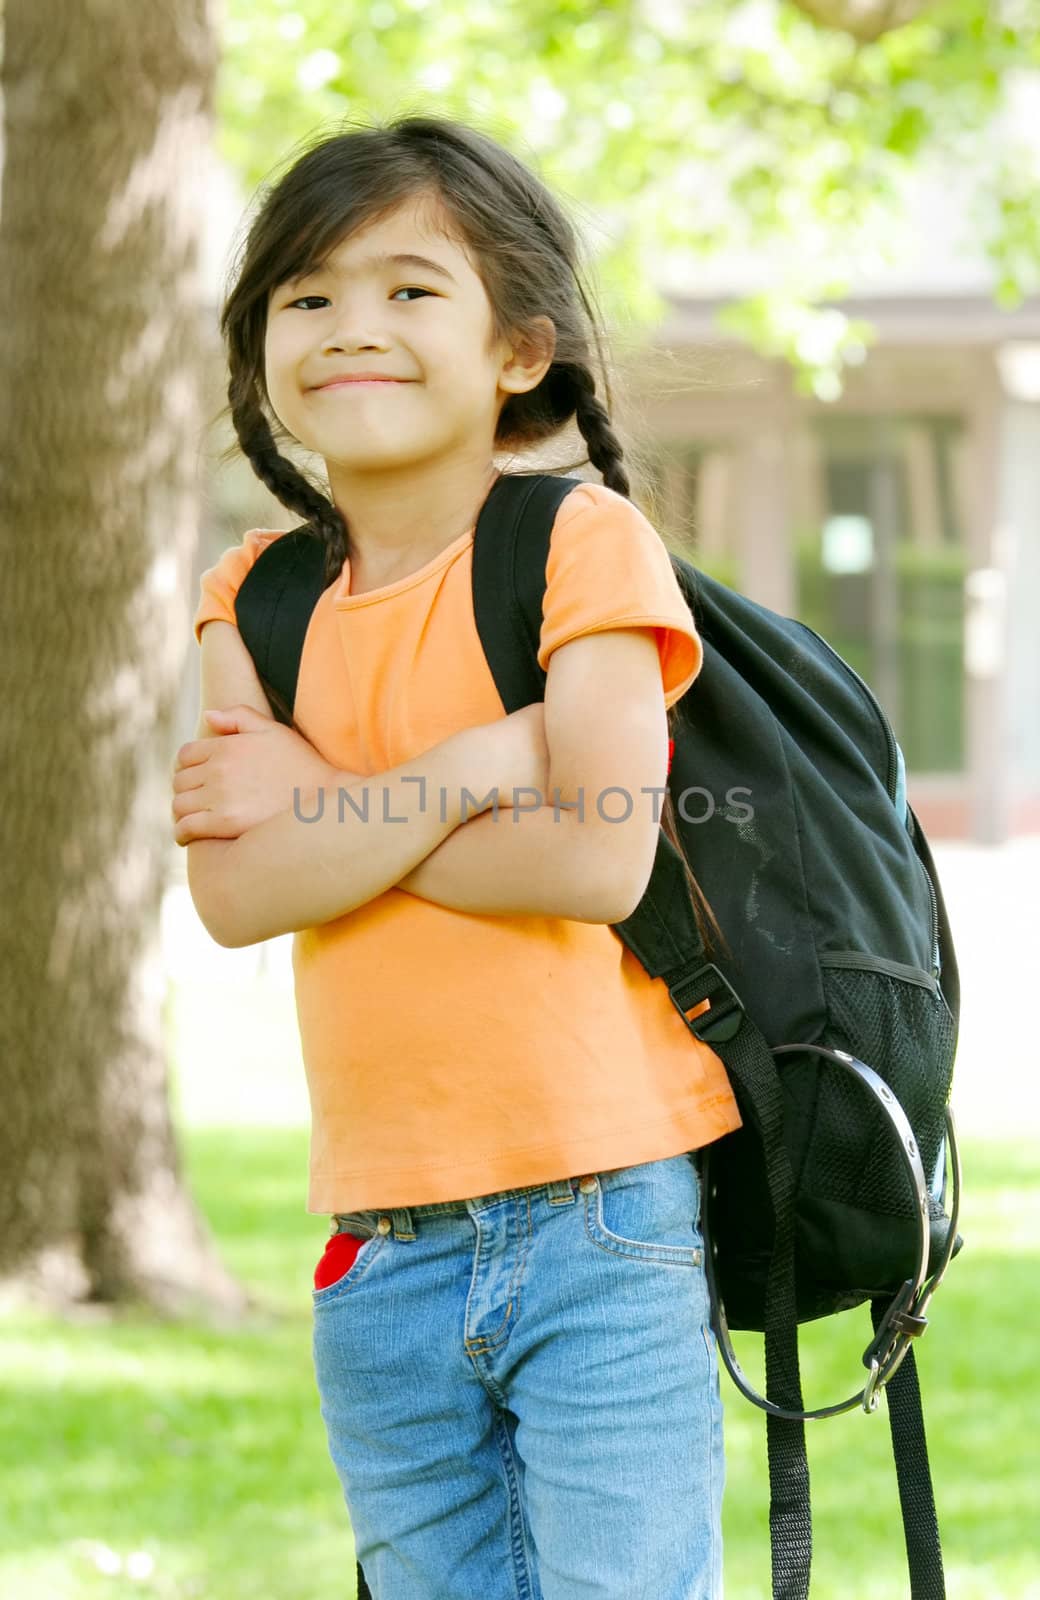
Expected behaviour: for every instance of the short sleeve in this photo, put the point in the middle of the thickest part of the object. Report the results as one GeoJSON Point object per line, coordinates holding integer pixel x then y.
{"type": "Point", "coordinates": [220, 584]}
{"type": "Point", "coordinates": [609, 568]}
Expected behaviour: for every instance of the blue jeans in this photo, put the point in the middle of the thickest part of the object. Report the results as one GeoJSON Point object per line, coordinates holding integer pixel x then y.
{"type": "Point", "coordinates": [521, 1393]}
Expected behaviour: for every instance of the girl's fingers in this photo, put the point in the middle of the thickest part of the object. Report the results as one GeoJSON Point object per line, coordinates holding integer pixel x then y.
{"type": "Point", "coordinates": [184, 805]}
{"type": "Point", "coordinates": [189, 755]}
{"type": "Point", "coordinates": [187, 778]}
{"type": "Point", "coordinates": [202, 825]}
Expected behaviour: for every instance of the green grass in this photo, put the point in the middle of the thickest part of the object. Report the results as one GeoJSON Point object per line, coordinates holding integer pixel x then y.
{"type": "Point", "coordinates": [205, 1451]}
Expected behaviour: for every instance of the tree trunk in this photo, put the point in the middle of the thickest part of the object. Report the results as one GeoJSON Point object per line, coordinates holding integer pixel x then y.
{"type": "Point", "coordinates": [107, 121]}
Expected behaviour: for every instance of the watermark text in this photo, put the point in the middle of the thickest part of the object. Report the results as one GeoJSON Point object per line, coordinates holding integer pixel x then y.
{"type": "Point", "coordinates": [612, 804]}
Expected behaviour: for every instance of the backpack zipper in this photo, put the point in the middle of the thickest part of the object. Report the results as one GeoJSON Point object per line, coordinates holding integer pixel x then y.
{"type": "Point", "coordinates": [936, 960]}
{"type": "Point", "coordinates": [890, 775]}
{"type": "Point", "coordinates": [872, 701]}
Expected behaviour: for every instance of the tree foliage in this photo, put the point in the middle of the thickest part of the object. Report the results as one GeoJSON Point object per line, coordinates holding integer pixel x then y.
{"type": "Point", "coordinates": [786, 126]}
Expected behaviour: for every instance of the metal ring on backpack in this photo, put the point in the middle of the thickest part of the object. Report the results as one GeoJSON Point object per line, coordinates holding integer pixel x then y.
{"type": "Point", "coordinates": [898, 1326]}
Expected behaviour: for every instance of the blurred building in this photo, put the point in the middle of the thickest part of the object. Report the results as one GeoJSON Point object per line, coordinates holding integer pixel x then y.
{"type": "Point", "coordinates": [900, 520]}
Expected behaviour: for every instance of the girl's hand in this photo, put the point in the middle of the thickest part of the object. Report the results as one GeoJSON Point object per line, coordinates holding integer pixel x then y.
{"type": "Point", "coordinates": [226, 785]}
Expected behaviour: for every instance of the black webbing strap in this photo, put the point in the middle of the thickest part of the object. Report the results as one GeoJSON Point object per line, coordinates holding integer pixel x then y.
{"type": "Point", "coordinates": [274, 605]}
{"type": "Point", "coordinates": [756, 1081]}
{"type": "Point", "coordinates": [913, 1474]}
{"type": "Point", "coordinates": [790, 1507]}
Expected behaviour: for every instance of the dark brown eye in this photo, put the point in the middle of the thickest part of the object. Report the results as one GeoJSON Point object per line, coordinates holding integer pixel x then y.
{"type": "Point", "coordinates": [407, 289]}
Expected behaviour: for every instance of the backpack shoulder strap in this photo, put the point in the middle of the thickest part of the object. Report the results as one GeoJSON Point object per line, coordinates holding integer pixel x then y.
{"type": "Point", "coordinates": [274, 604]}
{"type": "Point", "coordinates": [510, 557]}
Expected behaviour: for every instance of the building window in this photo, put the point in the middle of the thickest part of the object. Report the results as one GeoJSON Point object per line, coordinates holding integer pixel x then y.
{"type": "Point", "coordinates": [882, 577]}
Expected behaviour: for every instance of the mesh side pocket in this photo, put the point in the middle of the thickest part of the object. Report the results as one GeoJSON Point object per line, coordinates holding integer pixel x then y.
{"type": "Point", "coordinates": [907, 1034]}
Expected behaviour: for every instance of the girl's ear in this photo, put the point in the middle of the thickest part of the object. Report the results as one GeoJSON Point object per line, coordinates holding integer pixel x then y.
{"type": "Point", "coordinates": [527, 363]}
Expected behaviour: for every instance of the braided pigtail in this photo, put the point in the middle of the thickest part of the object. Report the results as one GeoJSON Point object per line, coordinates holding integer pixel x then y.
{"type": "Point", "coordinates": [284, 480]}
{"type": "Point", "coordinates": [289, 486]}
{"type": "Point", "coordinates": [593, 419]}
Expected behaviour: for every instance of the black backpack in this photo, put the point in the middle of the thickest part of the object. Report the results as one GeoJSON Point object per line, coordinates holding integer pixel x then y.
{"type": "Point", "coordinates": [826, 1007]}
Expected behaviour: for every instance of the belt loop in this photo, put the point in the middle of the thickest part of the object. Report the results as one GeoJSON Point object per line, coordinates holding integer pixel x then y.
{"type": "Point", "coordinates": [560, 1192]}
{"type": "Point", "coordinates": [403, 1226]}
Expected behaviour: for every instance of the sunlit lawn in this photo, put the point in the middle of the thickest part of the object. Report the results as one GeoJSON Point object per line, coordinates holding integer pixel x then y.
{"type": "Point", "coordinates": [165, 1461]}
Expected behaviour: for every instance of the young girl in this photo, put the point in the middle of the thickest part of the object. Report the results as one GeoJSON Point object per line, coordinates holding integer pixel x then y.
{"type": "Point", "coordinates": [512, 1344]}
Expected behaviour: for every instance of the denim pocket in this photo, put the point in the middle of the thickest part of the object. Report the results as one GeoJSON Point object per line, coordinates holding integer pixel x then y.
{"type": "Point", "coordinates": [650, 1212]}
{"type": "Point", "coordinates": [370, 1247]}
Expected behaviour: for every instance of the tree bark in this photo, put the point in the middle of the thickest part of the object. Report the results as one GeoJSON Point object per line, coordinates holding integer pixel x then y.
{"type": "Point", "coordinates": [107, 122]}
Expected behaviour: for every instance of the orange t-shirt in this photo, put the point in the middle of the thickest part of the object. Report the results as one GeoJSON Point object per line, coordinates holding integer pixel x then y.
{"type": "Point", "coordinates": [449, 1054]}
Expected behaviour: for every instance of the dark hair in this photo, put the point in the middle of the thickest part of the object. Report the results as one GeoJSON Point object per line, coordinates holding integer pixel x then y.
{"type": "Point", "coordinates": [526, 252]}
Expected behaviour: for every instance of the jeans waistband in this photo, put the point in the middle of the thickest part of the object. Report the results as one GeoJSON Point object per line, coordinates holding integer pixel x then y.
{"type": "Point", "coordinates": [558, 1191]}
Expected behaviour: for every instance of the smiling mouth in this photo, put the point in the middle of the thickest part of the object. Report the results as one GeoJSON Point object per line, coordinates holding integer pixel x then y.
{"type": "Point", "coordinates": [361, 383]}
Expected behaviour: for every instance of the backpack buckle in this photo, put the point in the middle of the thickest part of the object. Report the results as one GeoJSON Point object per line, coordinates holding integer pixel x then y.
{"type": "Point", "coordinates": [726, 1013]}
{"type": "Point", "coordinates": [901, 1322]}
{"type": "Point", "coordinates": [871, 1395]}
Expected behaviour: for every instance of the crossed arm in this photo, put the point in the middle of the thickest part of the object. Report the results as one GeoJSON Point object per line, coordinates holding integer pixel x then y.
{"type": "Point", "coordinates": [602, 727]}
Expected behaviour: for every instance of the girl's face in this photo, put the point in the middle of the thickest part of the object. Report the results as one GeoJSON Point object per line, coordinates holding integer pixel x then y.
{"type": "Point", "coordinates": [428, 329]}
